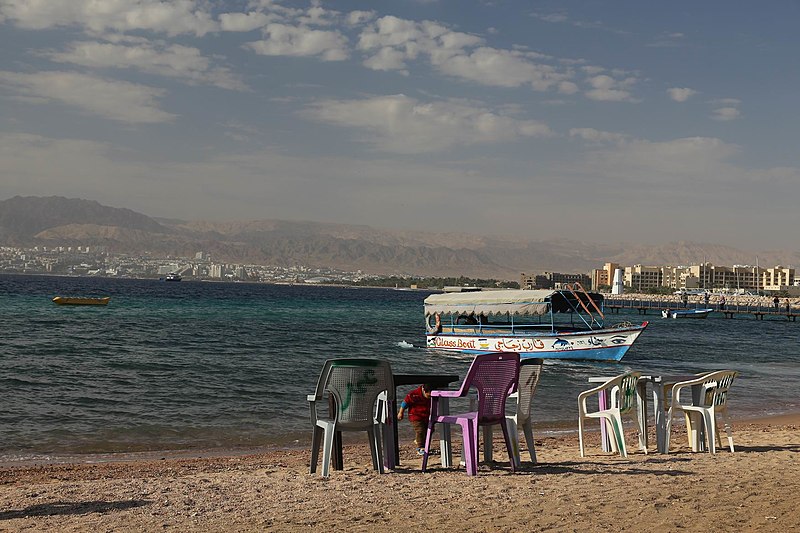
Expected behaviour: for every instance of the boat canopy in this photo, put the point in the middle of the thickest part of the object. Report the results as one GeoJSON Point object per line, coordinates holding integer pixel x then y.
{"type": "Point", "coordinates": [515, 302]}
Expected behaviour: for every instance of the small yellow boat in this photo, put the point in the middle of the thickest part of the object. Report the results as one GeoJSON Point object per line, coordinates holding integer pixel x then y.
{"type": "Point", "coordinates": [72, 300]}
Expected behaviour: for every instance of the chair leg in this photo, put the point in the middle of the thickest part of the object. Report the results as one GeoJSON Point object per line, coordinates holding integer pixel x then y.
{"type": "Point", "coordinates": [375, 449]}
{"type": "Point", "coordinates": [612, 437]}
{"type": "Point", "coordinates": [469, 432]}
{"type": "Point", "coordinates": [513, 433]}
{"type": "Point", "coordinates": [642, 436]}
{"type": "Point", "coordinates": [327, 451]}
{"type": "Point", "coordinates": [316, 441]}
{"type": "Point", "coordinates": [727, 423]}
{"type": "Point", "coordinates": [527, 428]}
{"type": "Point", "coordinates": [619, 434]}
{"type": "Point", "coordinates": [711, 430]}
{"type": "Point", "coordinates": [694, 424]}
{"type": "Point", "coordinates": [580, 435]}
{"type": "Point", "coordinates": [428, 436]}
{"type": "Point", "coordinates": [667, 431]}
{"type": "Point", "coordinates": [488, 440]}
{"type": "Point", "coordinates": [513, 451]}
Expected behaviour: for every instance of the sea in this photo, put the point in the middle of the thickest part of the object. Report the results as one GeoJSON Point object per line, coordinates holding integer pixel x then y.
{"type": "Point", "coordinates": [227, 366]}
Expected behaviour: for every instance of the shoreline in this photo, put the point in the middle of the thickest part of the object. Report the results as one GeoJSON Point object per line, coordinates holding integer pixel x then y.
{"type": "Point", "coordinates": [274, 491]}
{"type": "Point", "coordinates": [543, 430]}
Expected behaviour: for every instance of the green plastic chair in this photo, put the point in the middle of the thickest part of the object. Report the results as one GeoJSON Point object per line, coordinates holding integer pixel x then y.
{"type": "Point", "coordinates": [353, 387]}
{"type": "Point", "coordinates": [622, 394]}
{"type": "Point", "coordinates": [709, 399]}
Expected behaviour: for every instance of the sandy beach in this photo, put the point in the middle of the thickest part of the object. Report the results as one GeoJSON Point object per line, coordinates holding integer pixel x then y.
{"type": "Point", "coordinates": [753, 489]}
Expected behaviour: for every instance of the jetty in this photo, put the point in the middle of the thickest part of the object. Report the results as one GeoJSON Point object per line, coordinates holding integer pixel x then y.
{"type": "Point", "coordinates": [731, 309]}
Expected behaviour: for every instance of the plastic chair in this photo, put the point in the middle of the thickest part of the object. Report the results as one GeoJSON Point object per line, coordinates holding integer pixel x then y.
{"type": "Point", "coordinates": [494, 376]}
{"type": "Point", "coordinates": [353, 386]}
{"type": "Point", "coordinates": [623, 400]}
{"type": "Point", "coordinates": [530, 369]}
{"type": "Point", "coordinates": [709, 398]}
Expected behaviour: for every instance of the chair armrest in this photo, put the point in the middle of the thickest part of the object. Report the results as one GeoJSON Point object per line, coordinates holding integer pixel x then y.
{"type": "Point", "coordinates": [678, 387]}
{"type": "Point", "coordinates": [595, 390]}
{"type": "Point", "coordinates": [312, 407]}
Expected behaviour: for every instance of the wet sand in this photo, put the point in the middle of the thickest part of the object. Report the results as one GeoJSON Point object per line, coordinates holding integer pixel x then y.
{"type": "Point", "coordinates": [753, 489]}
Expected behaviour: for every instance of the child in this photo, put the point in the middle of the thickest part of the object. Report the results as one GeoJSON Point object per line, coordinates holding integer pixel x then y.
{"type": "Point", "coordinates": [418, 404]}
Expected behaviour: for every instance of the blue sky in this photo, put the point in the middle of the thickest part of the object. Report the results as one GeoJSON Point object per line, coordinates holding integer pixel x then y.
{"type": "Point", "coordinates": [603, 121]}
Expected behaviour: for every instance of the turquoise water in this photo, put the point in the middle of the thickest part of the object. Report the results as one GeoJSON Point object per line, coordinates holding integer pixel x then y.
{"type": "Point", "coordinates": [196, 365]}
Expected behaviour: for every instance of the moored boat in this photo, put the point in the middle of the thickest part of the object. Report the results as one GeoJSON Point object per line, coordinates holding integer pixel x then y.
{"type": "Point", "coordinates": [555, 324]}
{"type": "Point", "coordinates": [685, 313]}
{"type": "Point", "coordinates": [79, 300]}
{"type": "Point", "coordinates": [173, 276]}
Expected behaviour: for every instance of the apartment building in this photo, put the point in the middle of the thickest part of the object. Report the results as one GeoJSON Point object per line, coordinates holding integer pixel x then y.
{"type": "Point", "coordinates": [709, 276]}
{"type": "Point", "coordinates": [551, 280]}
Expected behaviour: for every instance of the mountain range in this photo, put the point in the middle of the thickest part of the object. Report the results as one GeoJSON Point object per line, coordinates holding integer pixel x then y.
{"type": "Point", "coordinates": [54, 221]}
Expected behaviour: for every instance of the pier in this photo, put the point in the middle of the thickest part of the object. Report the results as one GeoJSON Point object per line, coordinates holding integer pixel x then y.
{"type": "Point", "coordinates": [731, 310]}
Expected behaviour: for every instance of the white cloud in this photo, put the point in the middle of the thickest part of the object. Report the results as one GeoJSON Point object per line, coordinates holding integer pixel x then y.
{"type": "Point", "coordinates": [597, 136]}
{"type": "Point", "coordinates": [393, 41]}
{"type": "Point", "coordinates": [285, 40]}
{"type": "Point", "coordinates": [607, 89]}
{"type": "Point", "coordinates": [551, 17]}
{"type": "Point", "coordinates": [115, 100]}
{"type": "Point", "coordinates": [241, 22]}
{"type": "Point", "coordinates": [357, 18]}
{"type": "Point", "coordinates": [401, 124]}
{"type": "Point", "coordinates": [387, 58]}
{"type": "Point", "coordinates": [175, 61]}
{"type": "Point", "coordinates": [725, 113]}
{"type": "Point", "coordinates": [681, 94]}
{"type": "Point", "coordinates": [173, 17]}
{"type": "Point", "coordinates": [318, 16]}
{"type": "Point", "coordinates": [502, 68]}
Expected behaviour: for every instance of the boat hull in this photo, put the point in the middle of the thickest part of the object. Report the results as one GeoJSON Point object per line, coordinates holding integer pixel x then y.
{"type": "Point", "coordinates": [610, 344]}
{"type": "Point", "coordinates": [69, 300]}
{"type": "Point", "coordinates": [687, 313]}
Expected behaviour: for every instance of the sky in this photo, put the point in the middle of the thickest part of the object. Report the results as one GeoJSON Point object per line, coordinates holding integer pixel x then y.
{"type": "Point", "coordinates": [601, 121]}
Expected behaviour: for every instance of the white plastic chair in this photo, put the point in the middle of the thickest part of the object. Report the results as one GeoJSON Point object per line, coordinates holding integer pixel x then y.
{"type": "Point", "coordinates": [709, 398]}
{"type": "Point", "coordinates": [623, 402]}
{"type": "Point", "coordinates": [530, 369]}
{"type": "Point", "coordinates": [354, 386]}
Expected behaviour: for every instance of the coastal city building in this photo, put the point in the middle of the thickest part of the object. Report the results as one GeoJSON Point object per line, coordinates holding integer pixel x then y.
{"type": "Point", "coordinates": [552, 280]}
{"type": "Point", "coordinates": [83, 261]}
{"type": "Point", "coordinates": [98, 261]}
{"type": "Point", "coordinates": [603, 277]}
{"type": "Point", "coordinates": [706, 276]}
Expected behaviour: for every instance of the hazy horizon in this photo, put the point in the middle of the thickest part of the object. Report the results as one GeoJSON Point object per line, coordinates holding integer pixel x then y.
{"type": "Point", "coordinates": [603, 122]}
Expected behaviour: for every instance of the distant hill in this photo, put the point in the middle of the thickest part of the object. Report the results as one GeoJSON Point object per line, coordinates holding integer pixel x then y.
{"type": "Point", "coordinates": [50, 221]}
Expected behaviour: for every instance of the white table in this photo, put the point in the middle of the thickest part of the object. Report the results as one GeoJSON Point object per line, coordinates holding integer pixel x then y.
{"type": "Point", "coordinates": [660, 383]}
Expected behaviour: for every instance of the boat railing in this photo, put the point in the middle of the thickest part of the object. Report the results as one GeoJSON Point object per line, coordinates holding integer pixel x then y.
{"type": "Point", "coordinates": [576, 289]}
{"type": "Point", "coordinates": [496, 328]}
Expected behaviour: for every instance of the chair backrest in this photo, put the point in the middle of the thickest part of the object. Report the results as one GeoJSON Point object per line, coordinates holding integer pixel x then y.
{"type": "Point", "coordinates": [494, 376]}
{"type": "Point", "coordinates": [623, 392]}
{"type": "Point", "coordinates": [355, 385]}
{"type": "Point", "coordinates": [530, 369]}
{"type": "Point", "coordinates": [716, 391]}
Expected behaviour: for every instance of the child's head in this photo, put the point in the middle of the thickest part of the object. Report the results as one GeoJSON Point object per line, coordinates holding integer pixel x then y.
{"type": "Point", "coordinates": [426, 390]}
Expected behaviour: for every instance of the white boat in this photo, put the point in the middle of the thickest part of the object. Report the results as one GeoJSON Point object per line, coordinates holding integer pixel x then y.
{"type": "Point", "coordinates": [526, 322]}
{"type": "Point", "coordinates": [685, 313]}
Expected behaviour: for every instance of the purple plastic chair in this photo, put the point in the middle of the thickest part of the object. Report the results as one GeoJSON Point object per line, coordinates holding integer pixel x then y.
{"type": "Point", "coordinates": [494, 376]}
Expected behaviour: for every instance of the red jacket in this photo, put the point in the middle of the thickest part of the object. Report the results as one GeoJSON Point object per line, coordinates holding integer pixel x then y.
{"type": "Point", "coordinates": [419, 407]}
